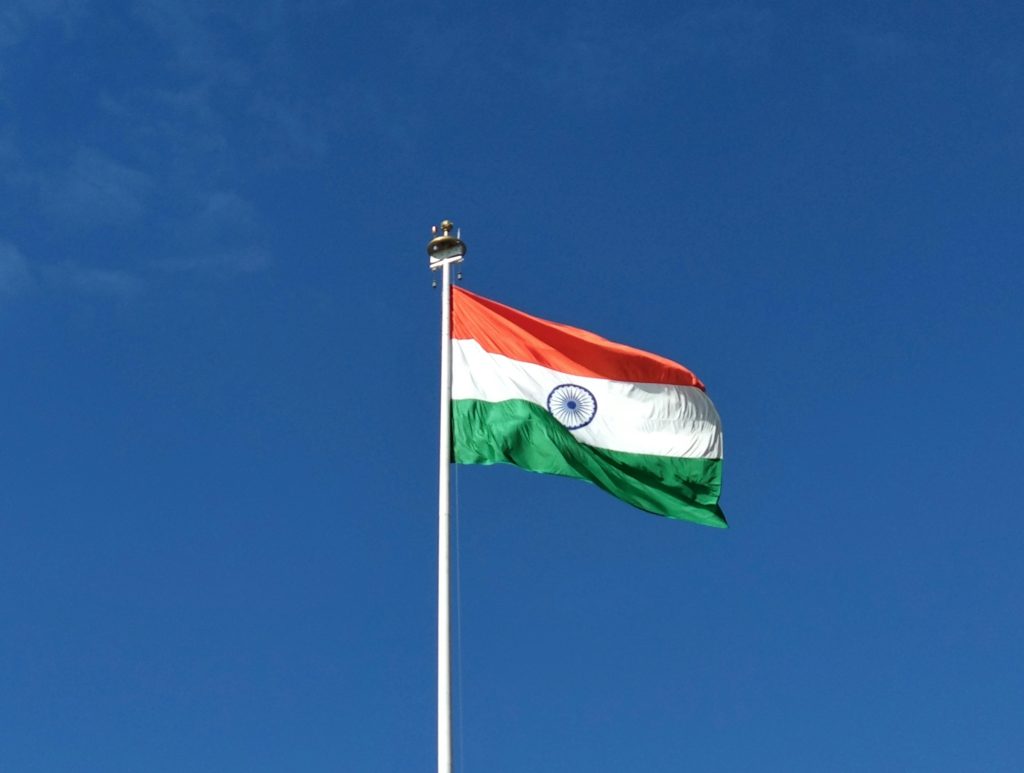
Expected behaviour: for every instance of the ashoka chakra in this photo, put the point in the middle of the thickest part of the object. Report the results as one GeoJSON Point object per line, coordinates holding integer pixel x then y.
{"type": "Point", "coordinates": [574, 406]}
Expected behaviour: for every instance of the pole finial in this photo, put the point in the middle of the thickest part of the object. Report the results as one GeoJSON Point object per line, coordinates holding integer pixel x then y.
{"type": "Point", "coordinates": [445, 248]}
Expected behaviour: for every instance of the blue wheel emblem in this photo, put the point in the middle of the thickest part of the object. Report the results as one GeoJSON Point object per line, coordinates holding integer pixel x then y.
{"type": "Point", "coordinates": [574, 406]}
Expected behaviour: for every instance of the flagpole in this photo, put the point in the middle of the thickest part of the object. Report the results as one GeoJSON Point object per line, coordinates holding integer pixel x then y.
{"type": "Point", "coordinates": [444, 250]}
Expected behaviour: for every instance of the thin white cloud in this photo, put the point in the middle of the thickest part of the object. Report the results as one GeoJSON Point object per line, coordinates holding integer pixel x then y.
{"type": "Point", "coordinates": [166, 140]}
{"type": "Point", "coordinates": [95, 190]}
{"type": "Point", "coordinates": [226, 209]}
{"type": "Point", "coordinates": [737, 33]}
{"type": "Point", "coordinates": [295, 126]}
{"type": "Point", "coordinates": [603, 60]}
{"type": "Point", "coordinates": [187, 27]}
{"type": "Point", "coordinates": [885, 48]}
{"type": "Point", "coordinates": [17, 17]}
{"type": "Point", "coordinates": [238, 261]}
{"type": "Point", "coordinates": [212, 77]}
{"type": "Point", "coordinates": [89, 280]}
{"type": "Point", "coordinates": [223, 237]}
{"type": "Point", "coordinates": [15, 275]}
{"type": "Point", "coordinates": [10, 158]}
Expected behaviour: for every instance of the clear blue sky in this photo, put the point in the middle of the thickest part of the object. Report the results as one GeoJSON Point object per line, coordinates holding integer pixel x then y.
{"type": "Point", "coordinates": [218, 383]}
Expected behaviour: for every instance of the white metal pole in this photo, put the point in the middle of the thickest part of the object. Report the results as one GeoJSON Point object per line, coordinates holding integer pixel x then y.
{"type": "Point", "coordinates": [444, 689]}
{"type": "Point", "coordinates": [444, 249]}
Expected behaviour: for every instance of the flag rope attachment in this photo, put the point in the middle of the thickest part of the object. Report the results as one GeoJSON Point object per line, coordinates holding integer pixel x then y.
{"type": "Point", "coordinates": [444, 250]}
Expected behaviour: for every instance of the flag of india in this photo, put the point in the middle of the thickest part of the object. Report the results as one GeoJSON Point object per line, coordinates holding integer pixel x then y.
{"type": "Point", "coordinates": [555, 399]}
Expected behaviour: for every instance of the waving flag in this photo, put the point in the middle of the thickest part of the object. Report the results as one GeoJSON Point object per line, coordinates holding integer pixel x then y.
{"type": "Point", "coordinates": [555, 399]}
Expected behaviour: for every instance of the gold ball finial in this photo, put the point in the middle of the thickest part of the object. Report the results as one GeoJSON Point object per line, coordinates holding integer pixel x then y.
{"type": "Point", "coordinates": [447, 226]}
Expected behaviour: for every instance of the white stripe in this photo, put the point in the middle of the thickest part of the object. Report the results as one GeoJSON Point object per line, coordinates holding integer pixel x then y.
{"type": "Point", "coordinates": [655, 419]}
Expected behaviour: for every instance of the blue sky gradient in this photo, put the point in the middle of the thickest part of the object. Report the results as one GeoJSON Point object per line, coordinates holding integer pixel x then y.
{"type": "Point", "coordinates": [219, 383]}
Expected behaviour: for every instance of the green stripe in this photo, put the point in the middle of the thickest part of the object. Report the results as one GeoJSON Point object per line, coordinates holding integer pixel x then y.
{"type": "Point", "coordinates": [524, 434]}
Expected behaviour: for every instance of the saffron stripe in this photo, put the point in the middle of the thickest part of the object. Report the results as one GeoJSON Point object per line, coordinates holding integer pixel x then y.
{"type": "Point", "coordinates": [500, 329]}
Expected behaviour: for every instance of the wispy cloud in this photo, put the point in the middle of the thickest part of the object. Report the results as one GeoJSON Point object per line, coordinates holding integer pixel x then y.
{"type": "Point", "coordinates": [226, 210]}
{"type": "Point", "coordinates": [17, 17]}
{"type": "Point", "coordinates": [735, 32]}
{"type": "Point", "coordinates": [212, 75]}
{"type": "Point", "coordinates": [237, 261]}
{"type": "Point", "coordinates": [886, 48]}
{"type": "Point", "coordinates": [224, 93]}
{"type": "Point", "coordinates": [94, 190]}
{"type": "Point", "coordinates": [18, 275]}
{"type": "Point", "coordinates": [88, 280]}
{"type": "Point", "coordinates": [15, 276]}
{"type": "Point", "coordinates": [600, 59]}
{"type": "Point", "coordinates": [181, 23]}
{"type": "Point", "coordinates": [1007, 71]}
{"type": "Point", "coordinates": [223, 237]}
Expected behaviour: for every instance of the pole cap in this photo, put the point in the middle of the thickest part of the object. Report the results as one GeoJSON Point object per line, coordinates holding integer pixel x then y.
{"type": "Point", "coordinates": [445, 246]}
